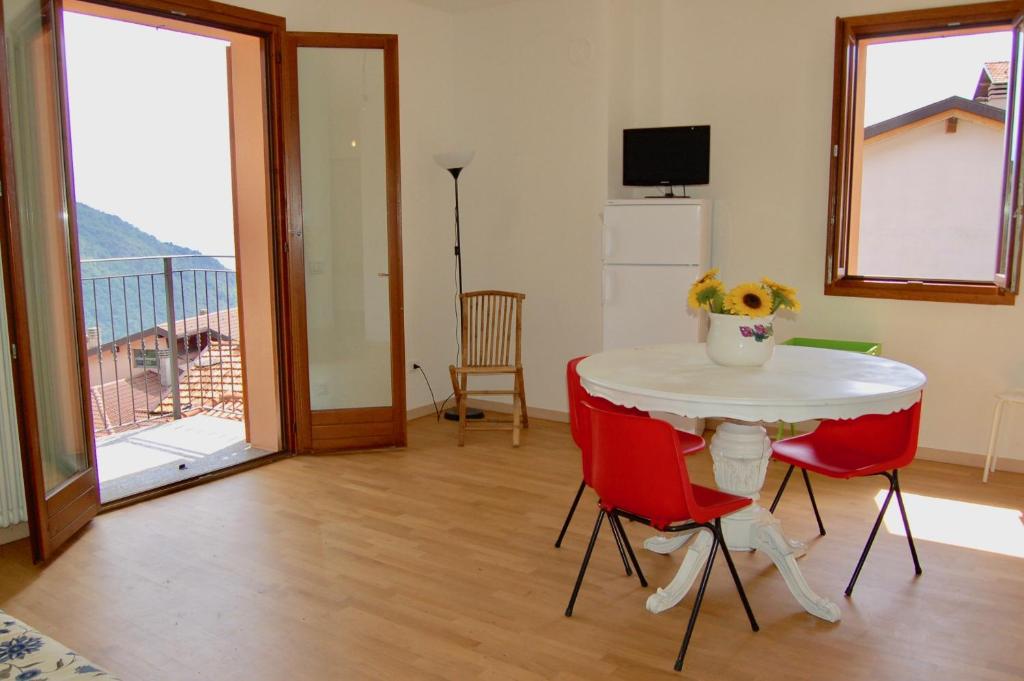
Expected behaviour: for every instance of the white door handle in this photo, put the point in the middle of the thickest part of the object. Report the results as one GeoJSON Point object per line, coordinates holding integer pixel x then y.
{"type": "Point", "coordinates": [608, 245]}
{"type": "Point", "coordinates": [608, 292]}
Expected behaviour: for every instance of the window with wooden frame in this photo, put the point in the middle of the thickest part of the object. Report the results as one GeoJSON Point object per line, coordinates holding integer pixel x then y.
{"type": "Point", "coordinates": [925, 193]}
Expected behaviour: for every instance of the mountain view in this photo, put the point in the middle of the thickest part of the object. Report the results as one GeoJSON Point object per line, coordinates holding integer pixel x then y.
{"type": "Point", "coordinates": [122, 297]}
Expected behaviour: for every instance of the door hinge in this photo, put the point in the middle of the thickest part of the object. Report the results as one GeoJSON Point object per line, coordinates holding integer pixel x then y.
{"type": "Point", "coordinates": [835, 151]}
{"type": "Point", "coordinates": [14, 351]}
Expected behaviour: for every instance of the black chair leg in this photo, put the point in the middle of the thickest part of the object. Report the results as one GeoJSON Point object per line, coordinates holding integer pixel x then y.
{"type": "Point", "coordinates": [586, 561]}
{"type": "Point", "coordinates": [871, 538]}
{"type": "Point", "coordinates": [568, 518]}
{"type": "Point", "coordinates": [698, 600]}
{"type": "Point", "coordinates": [622, 551]}
{"type": "Point", "coordinates": [617, 522]}
{"type": "Point", "coordinates": [735, 575]}
{"type": "Point", "coordinates": [906, 523]}
{"type": "Point", "coordinates": [814, 504]}
{"type": "Point", "coordinates": [782, 488]}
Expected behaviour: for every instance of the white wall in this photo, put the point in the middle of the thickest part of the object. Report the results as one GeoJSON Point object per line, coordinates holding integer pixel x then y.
{"type": "Point", "coordinates": [533, 102]}
{"type": "Point", "coordinates": [544, 89]}
{"type": "Point", "coordinates": [931, 202]}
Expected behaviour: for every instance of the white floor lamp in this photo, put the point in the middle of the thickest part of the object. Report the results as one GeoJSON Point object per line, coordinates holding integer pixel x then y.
{"type": "Point", "coordinates": [454, 162]}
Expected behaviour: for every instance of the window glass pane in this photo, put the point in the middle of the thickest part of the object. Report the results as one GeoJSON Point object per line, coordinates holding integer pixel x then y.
{"type": "Point", "coordinates": [45, 254]}
{"type": "Point", "coordinates": [344, 218]}
{"type": "Point", "coordinates": [928, 157]}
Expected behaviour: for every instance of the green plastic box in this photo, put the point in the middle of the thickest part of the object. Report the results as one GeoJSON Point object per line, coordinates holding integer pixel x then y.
{"type": "Point", "coordinates": [864, 347]}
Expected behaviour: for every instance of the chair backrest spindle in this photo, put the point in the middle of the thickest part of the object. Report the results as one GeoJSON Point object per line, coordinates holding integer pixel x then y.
{"type": "Point", "coordinates": [492, 323]}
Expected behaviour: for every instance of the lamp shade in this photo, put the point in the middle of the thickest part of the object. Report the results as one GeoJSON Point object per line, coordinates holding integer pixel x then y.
{"type": "Point", "coordinates": [454, 159]}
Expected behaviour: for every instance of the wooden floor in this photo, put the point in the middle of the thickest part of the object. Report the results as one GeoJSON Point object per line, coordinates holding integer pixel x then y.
{"type": "Point", "coordinates": [437, 563]}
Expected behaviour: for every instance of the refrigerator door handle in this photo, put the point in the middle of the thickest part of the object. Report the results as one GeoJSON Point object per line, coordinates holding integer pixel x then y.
{"type": "Point", "coordinates": [608, 293]}
{"type": "Point", "coordinates": [608, 244]}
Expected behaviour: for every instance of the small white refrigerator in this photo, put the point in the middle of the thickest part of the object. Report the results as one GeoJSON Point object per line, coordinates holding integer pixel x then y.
{"type": "Point", "coordinates": [654, 249]}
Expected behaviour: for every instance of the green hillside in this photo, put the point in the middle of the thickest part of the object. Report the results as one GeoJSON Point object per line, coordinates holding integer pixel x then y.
{"type": "Point", "coordinates": [127, 296]}
{"type": "Point", "coordinates": [102, 235]}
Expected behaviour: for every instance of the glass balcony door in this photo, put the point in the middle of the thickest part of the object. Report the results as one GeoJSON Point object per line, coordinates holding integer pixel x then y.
{"type": "Point", "coordinates": [341, 132]}
{"type": "Point", "coordinates": [42, 268]}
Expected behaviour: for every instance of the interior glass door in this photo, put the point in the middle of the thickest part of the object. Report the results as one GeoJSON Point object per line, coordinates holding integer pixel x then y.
{"type": "Point", "coordinates": [344, 233]}
{"type": "Point", "coordinates": [39, 217]}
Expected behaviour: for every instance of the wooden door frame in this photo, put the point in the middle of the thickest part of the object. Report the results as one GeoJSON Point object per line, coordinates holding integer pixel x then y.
{"type": "Point", "coordinates": [74, 493]}
{"type": "Point", "coordinates": [53, 519]}
{"type": "Point", "coordinates": [271, 30]}
{"type": "Point", "coordinates": [302, 418]}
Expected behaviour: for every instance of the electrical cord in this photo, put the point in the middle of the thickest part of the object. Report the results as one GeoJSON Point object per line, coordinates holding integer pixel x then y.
{"type": "Point", "coordinates": [441, 411]}
{"type": "Point", "coordinates": [433, 400]}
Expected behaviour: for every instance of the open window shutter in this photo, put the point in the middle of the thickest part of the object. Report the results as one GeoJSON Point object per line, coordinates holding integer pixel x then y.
{"type": "Point", "coordinates": [1007, 273]}
{"type": "Point", "coordinates": [845, 96]}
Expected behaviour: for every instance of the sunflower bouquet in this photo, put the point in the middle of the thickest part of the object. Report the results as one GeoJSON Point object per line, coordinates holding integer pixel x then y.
{"type": "Point", "coordinates": [753, 299]}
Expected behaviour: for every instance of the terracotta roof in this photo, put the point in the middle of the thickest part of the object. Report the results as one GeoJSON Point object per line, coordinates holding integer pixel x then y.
{"type": "Point", "coordinates": [212, 383]}
{"type": "Point", "coordinates": [120, 403]}
{"type": "Point", "coordinates": [993, 81]}
{"type": "Point", "coordinates": [224, 324]}
{"type": "Point", "coordinates": [997, 71]}
{"type": "Point", "coordinates": [949, 104]}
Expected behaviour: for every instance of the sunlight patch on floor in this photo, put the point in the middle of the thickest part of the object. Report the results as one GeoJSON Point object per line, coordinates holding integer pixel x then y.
{"type": "Point", "coordinates": [958, 523]}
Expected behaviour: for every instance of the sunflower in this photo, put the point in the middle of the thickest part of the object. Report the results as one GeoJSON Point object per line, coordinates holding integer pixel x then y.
{"type": "Point", "coordinates": [751, 299]}
{"type": "Point", "coordinates": [707, 293]}
{"type": "Point", "coordinates": [709, 276]}
{"type": "Point", "coordinates": [782, 295]}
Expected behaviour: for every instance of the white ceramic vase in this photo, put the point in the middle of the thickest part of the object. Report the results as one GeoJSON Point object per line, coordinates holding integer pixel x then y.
{"type": "Point", "coordinates": [739, 340]}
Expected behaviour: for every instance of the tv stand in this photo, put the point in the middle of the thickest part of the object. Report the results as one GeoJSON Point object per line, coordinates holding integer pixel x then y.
{"type": "Point", "coordinates": [670, 194]}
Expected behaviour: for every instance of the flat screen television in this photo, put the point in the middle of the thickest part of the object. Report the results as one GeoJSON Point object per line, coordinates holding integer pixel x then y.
{"type": "Point", "coordinates": [677, 155]}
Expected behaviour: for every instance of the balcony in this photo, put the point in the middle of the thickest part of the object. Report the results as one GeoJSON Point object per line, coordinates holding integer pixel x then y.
{"type": "Point", "coordinates": [163, 346]}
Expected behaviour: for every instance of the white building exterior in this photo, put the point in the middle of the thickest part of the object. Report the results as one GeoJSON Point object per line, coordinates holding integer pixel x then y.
{"type": "Point", "coordinates": [931, 194]}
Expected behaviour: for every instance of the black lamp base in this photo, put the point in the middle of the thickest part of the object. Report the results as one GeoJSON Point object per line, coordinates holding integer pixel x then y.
{"type": "Point", "coordinates": [471, 413]}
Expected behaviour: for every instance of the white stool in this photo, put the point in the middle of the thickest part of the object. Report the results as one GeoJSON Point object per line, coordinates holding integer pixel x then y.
{"type": "Point", "coordinates": [1013, 397]}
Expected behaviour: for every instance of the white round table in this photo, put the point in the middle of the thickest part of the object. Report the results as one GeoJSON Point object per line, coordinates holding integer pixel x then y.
{"type": "Point", "coordinates": [797, 384]}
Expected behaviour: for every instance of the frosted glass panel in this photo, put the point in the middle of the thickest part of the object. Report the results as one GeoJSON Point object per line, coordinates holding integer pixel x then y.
{"type": "Point", "coordinates": [344, 218]}
{"type": "Point", "coordinates": [44, 230]}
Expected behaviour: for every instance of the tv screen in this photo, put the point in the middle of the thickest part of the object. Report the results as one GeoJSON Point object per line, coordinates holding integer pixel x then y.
{"type": "Point", "coordinates": [666, 156]}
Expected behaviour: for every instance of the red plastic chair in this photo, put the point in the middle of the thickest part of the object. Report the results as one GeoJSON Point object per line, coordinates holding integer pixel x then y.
{"type": "Point", "coordinates": [875, 444]}
{"type": "Point", "coordinates": [581, 436]}
{"type": "Point", "coordinates": [639, 472]}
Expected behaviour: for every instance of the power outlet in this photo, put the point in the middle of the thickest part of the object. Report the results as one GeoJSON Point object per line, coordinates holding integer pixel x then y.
{"type": "Point", "coordinates": [413, 364]}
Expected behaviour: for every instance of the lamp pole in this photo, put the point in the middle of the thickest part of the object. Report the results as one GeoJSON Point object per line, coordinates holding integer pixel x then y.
{"type": "Point", "coordinates": [458, 231]}
{"type": "Point", "coordinates": [454, 163]}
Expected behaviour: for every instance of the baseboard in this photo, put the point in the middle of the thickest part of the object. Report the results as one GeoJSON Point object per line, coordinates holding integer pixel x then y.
{"type": "Point", "coordinates": [420, 412]}
{"type": "Point", "coordinates": [534, 412]}
{"type": "Point", "coordinates": [925, 453]}
{"type": "Point", "coordinates": [13, 533]}
{"type": "Point", "coordinates": [968, 459]}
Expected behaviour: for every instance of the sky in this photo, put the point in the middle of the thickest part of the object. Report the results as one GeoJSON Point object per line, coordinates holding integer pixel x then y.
{"type": "Point", "coordinates": [149, 129]}
{"type": "Point", "coordinates": [903, 76]}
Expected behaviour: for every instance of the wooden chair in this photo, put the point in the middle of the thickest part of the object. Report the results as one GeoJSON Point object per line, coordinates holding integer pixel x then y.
{"type": "Point", "coordinates": [492, 332]}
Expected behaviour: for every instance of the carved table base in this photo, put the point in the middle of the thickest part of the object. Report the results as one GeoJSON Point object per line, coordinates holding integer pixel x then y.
{"type": "Point", "coordinates": [740, 454]}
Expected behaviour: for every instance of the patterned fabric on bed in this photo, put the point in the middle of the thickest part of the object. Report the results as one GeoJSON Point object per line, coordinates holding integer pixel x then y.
{"type": "Point", "coordinates": [27, 655]}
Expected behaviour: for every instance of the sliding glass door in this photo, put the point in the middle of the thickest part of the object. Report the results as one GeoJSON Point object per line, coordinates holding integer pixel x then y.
{"type": "Point", "coordinates": [341, 134]}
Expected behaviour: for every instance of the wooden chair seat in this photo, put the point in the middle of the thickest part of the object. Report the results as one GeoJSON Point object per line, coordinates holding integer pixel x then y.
{"type": "Point", "coordinates": [492, 330]}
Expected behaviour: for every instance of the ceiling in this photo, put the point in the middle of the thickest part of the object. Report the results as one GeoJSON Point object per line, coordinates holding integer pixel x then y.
{"type": "Point", "coordinates": [460, 5]}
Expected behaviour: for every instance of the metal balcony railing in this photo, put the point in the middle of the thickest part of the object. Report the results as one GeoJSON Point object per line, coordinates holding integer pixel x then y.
{"type": "Point", "coordinates": [161, 343]}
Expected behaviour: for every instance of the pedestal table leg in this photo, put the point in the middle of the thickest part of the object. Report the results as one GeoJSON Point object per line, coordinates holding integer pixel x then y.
{"type": "Point", "coordinates": [740, 454]}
